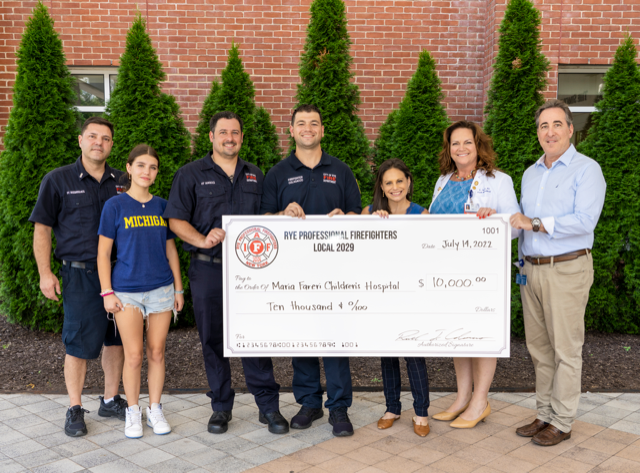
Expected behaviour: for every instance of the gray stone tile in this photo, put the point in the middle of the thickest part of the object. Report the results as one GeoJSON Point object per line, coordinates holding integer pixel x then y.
{"type": "Point", "coordinates": [55, 415]}
{"type": "Point", "coordinates": [511, 398]}
{"type": "Point", "coordinates": [289, 410]}
{"type": "Point", "coordinates": [201, 400]}
{"type": "Point", "coordinates": [259, 455]}
{"type": "Point", "coordinates": [601, 420]}
{"type": "Point", "coordinates": [632, 397]}
{"type": "Point", "coordinates": [176, 419]}
{"type": "Point", "coordinates": [260, 436]}
{"type": "Point", "coordinates": [21, 448]}
{"type": "Point", "coordinates": [39, 430]}
{"type": "Point", "coordinates": [189, 428]}
{"type": "Point", "coordinates": [55, 439]}
{"type": "Point", "coordinates": [76, 447]}
{"type": "Point", "coordinates": [244, 398]}
{"type": "Point", "coordinates": [178, 406]}
{"type": "Point", "coordinates": [316, 435]}
{"type": "Point", "coordinates": [106, 438]}
{"type": "Point", "coordinates": [287, 398]}
{"type": "Point", "coordinates": [204, 456]}
{"type": "Point", "coordinates": [149, 457]}
{"type": "Point", "coordinates": [9, 436]}
{"type": "Point", "coordinates": [635, 417]}
{"type": "Point", "coordinates": [367, 416]}
{"type": "Point", "coordinates": [7, 465]}
{"type": "Point", "coordinates": [26, 399]}
{"type": "Point", "coordinates": [128, 447]}
{"type": "Point", "coordinates": [39, 407]}
{"type": "Point", "coordinates": [287, 445]}
{"type": "Point", "coordinates": [6, 405]}
{"type": "Point", "coordinates": [229, 465]}
{"type": "Point", "coordinates": [239, 427]}
{"type": "Point", "coordinates": [611, 412]}
{"type": "Point", "coordinates": [61, 466]}
{"type": "Point", "coordinates": [157, 440]}
{"type": "Point", "coordinates": [360, 404]}
{"type": "Point", "coordinates": [235, 445]}
{"type": "Point", "coordinates": [13, 413]}
{"type": "Point", "coordinates": [245, 412]}
{"type": "Point", "coordinates": [94, 458]}
{"type": "Point", "coordinates": [24, 421]}
{"type": "Point", "coordinates": [181, 447]}
{"type": "Point", "coordinates": [120, 466]}
{"type": "Point", "coordinates": [623, 404]}
{"type": "Point", "coordinates": [197, 413]}
{"type": "Point", "coordinates": [529, 403]}
{"type": "Point", "coordinates": [175, 465]}
{"type": "Point", "coordinates": [41, 457]}
{"type": "Point", "coordinates": [211, 440]}
{"type": "Point", "coordinates": [626, 426]}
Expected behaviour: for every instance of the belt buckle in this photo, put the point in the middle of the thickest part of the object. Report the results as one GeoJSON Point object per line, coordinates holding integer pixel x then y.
{"type": "Point", "coordinates": [538, 260]}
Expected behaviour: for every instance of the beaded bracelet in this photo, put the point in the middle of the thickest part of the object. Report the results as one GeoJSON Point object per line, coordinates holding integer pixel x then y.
{"type": "Point", "coordinates": [179, 292]}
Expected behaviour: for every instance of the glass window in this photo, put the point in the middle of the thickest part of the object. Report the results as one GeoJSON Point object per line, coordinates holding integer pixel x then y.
{"type": "Point", "coordinates": [94, 87]}
{"type": "Point", "coordinates": [580, 90]}
{"type": "Point", "coordinates": [581, 125]}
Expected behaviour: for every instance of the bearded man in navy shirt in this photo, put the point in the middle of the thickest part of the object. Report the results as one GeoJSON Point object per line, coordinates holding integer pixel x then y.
{"type": "Point", "coordinates": [311, 182]}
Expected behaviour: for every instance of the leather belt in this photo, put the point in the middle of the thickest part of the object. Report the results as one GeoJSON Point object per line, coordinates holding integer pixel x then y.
{"type": "Point", "coordinates": [80, 264]}
{"type": "Point", "coordinates": [557, 259]}
{"type": "Point", "coordinates": [207, 258]}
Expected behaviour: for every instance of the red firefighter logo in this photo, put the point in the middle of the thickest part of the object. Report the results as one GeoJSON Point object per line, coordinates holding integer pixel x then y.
{"type": "Point", "coordinates": [256, 247]}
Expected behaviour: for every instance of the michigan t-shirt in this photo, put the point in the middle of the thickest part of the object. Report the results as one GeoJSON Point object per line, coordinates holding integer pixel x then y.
{"type": "Point", "coordinates": [140, 237]}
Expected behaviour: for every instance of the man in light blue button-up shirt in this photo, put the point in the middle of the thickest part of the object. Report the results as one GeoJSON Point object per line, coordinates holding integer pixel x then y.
{"type": "Point", "coordinates": [561, 200]}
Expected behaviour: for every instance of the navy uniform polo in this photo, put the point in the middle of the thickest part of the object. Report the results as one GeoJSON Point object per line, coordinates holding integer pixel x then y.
{"type": "Point", "coordinates": [330, 185]}
{"type": "Point", "coordinates": [70, 201]}
{"type": "Point", "coordinates": [201, 194]}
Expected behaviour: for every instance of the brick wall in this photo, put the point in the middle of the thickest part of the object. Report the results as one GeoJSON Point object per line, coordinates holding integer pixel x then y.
{"type": "Point", "coordinates": [192, 38]}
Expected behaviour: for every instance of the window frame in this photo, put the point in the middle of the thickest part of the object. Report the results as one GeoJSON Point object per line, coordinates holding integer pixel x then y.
{"type": "Point", "coordinates": [580, 69]}
{"type": "Point", "coordinates": [105, 71]}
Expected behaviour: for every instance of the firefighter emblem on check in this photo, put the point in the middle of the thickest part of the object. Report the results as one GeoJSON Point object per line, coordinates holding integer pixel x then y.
{"type": "Point", "coordinates": [256, 247]}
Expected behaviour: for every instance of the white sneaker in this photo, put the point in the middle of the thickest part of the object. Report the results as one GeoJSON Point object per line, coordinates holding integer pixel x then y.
{"type": "Point", "coordinates": [133, 423]}
{"type": "Point", "coordinates": [156, 420]}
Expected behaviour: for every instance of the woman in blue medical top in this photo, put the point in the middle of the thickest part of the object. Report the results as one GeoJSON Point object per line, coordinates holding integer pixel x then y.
{"type": "Point", "coordinates": [392, 191]}
{"type": "Point", "coordinates": [470, 183]}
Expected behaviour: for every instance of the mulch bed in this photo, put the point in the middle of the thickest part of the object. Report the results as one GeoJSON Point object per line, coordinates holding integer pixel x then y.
{"type": "Point", "coordinates": [33, 361]}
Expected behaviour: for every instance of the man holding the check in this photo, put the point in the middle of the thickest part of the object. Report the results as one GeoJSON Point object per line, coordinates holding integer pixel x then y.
{"type": "Point", "coordinates": [561, 200]}
{"type": "Point", "coordinates": [311, 182]}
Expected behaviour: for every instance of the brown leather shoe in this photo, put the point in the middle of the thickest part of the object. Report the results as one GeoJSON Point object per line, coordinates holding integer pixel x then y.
{"type": "Point", "coordinates": [386, 423]}
{"type": "Point", "coordinates": [531, 429]}
{"type": "Point", "coordinates": [421, 430]}
{"type": "Point", "coordinates": [550, 436]}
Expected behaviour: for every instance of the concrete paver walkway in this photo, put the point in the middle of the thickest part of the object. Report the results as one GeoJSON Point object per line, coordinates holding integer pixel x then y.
{"type": "Point", "coordinates": [606, 437]}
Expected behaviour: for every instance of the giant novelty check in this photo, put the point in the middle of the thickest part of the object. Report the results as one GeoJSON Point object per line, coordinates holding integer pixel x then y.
{"type": "Point", "coordinates": [436, 285]}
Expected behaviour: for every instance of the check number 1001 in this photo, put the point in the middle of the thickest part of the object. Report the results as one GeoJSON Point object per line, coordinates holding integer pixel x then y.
{"type": "Point", "coordinates": [458, 282]}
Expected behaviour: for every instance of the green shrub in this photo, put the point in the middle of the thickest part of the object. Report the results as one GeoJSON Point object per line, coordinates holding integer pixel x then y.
{"type": "Point", "coordinates": [413, 133]}
{"type": "Point", "coordinates": [237, 94]}
{"type": "Point", "coordinates": [614, 141]}
{"type": "Point", "coordinates": [41, 136]}
{"type": "Point", "coordinates": [514, 96]}
{"type": "Point", "coordinates": [326, 83]}
{"type": "Point", "coordinates": [142, 113]}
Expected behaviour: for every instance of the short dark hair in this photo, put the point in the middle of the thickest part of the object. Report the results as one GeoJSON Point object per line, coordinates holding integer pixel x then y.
{"type": "Point", "coordinates": [380, 201]}
{"type": "Point", "coordinates": [97, 121]}
{"type": "Point", "coordinates": [140, 150]}
{"type": "Point", "coordinates": [306, 108]}
{"type": "Point", "coordinates": [227, 116]}
{"type": "Point", "coordinates": [554, 103]}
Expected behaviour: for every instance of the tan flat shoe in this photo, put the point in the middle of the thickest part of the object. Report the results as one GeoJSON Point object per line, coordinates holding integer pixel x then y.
{"type": "Point", "coordinates": [449, 416]}
{"type": "Point", "coordinates": [421, 430]}
{"type": "Point", "coordinates": [460, 423]}
{"type": "Point", "coordinates": [386, 423]}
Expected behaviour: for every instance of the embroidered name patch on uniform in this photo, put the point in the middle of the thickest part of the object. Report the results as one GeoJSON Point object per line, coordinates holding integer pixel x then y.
{"type": "Point", "coordinates": [119, 189]}
{"type": "Point", "coordinates": [207, 183]}
{"type": "Point", "coordinates": [251, 177]}
{"type": "Point", "coordinates": [76, 192]}
{"type": "Point", "coordinates": [329, 178]}
{"type": "Point", "coordinates": [295, 180]}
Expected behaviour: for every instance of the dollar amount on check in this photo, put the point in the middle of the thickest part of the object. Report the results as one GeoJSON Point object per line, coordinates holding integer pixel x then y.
{"type": "Point", "coordinates": [366, 286]}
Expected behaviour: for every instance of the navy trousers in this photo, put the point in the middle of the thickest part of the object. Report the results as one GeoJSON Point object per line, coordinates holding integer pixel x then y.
{"type": "Point", "coordinates": [205, 280]}
{"type": "Point", "coordinates": [306, 382]}
{"type": "Point", "coordinates": [418, 379]}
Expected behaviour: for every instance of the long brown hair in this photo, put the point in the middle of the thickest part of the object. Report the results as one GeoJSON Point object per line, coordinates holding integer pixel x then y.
{"type": "Point", "coordinates": [484, 147]}
{"type": "Point", "coordinates": [140, 150]}
{"type": "Point", "coordinates": [380, 201]}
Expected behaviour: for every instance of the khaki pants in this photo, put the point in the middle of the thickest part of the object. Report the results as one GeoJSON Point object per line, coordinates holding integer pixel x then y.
{"type": "Point", "coordinates": [553, 302]}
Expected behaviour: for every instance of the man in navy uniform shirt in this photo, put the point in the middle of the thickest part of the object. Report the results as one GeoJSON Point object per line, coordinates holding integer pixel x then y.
{"type": "Point", "coordinates": [312, 182]}
{"type": "Point", "coordinates": [202, 192]}
{"type": "Point", "coordinates": [70, 202]}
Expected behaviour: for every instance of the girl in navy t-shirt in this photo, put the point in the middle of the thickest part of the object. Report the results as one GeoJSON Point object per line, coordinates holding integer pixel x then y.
{"type": "Point", "coordinates": [144, 285]}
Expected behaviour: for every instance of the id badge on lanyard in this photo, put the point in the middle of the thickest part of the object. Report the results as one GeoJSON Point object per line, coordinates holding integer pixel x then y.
{"type": "Point", "coordinates": [469, 206]}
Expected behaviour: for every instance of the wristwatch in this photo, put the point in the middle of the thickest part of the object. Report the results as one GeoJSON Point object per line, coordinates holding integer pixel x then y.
{"type": "Point", "coordinates": [535, 223]}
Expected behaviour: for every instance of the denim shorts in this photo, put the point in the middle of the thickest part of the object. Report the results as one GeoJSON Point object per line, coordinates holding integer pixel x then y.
{"type": "Point", "coordinates": [86, 327]}
{"type": "Point", "coordinates": [151, 302]}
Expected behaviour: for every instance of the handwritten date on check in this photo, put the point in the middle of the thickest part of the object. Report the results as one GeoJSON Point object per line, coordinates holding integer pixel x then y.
{"type": "Point", "coordinates": [410, 285]}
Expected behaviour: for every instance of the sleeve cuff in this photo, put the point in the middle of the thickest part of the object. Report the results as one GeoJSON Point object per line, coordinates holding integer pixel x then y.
{"type": "Point", "coordinates": [549, 224]}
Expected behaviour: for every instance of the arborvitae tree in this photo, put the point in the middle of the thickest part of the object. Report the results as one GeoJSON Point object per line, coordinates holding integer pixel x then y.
{"type": "Point", "coordinates": [614, 140]}
{"type": "Point", "coordinates": [326, 83]}
{"type": "Point", "coordinates": [41, 136]}
{"type": "Point", "coordinates": [142, 113]}
{"type": "Point", "coordinates": [382, 148]}
{"type": "Point", "coordinates": [237, 94]}
{"type": "Point", "coordinates": [514, 96]}
{"type": "Point", "coordinates": [201, 141]}
{"type": "Point", "coordinates": [418, 128]}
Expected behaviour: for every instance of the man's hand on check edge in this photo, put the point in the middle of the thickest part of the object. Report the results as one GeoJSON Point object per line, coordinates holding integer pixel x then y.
{"type": "Point", "coordinates": [294, 210]}
{"type": "Point", "coordinates": [335, 212]}
{"type": "Point", "coordinates": [215, 237]}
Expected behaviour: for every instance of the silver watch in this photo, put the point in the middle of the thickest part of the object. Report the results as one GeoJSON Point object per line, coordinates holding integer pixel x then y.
{"type": "Point", "coordinates": [535, 223]}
